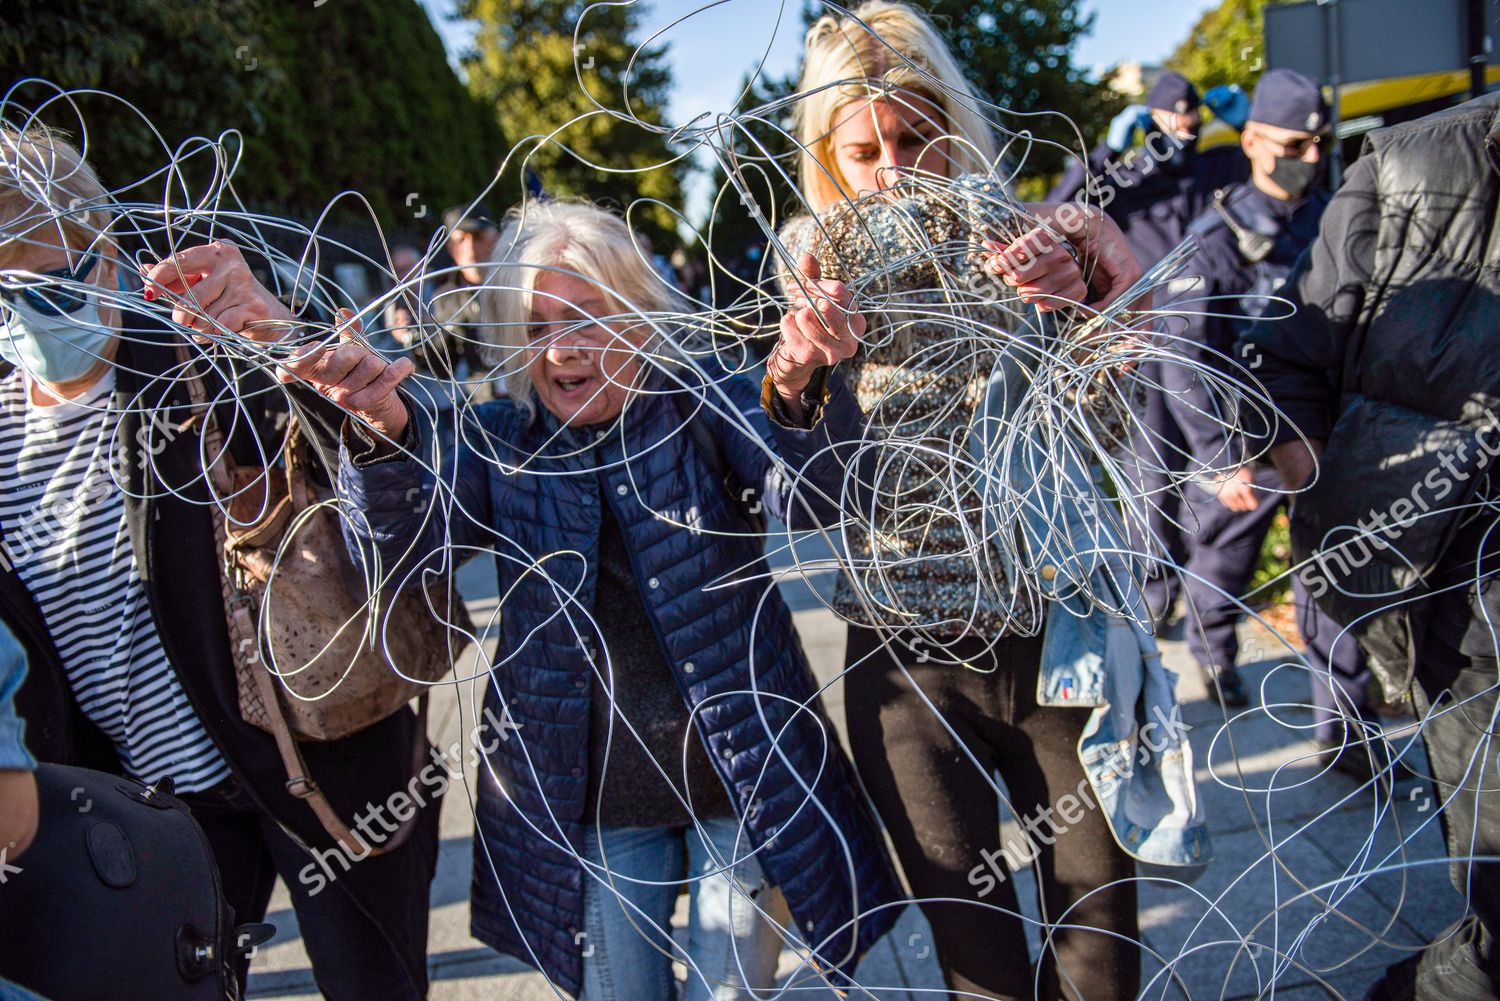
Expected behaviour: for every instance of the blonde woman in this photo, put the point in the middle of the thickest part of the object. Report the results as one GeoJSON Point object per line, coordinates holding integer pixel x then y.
{"type": "Point", "coordinates": [665, 732]}
{"type": "Point", "coordinates": [944, 693]}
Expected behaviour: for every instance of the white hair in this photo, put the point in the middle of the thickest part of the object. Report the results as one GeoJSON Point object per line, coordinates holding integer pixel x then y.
{"type": "Point", "coordinates": [577, 237]}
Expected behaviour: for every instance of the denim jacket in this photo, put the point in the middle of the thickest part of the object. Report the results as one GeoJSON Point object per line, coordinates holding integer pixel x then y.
{"type": "Point", "coordinates": [13, 752]}
{"type": "Point", "coordinates": [1096, 650]}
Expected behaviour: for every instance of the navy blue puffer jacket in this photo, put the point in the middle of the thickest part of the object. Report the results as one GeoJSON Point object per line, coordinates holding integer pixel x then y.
{"type": "Point", "coordinates": [732, 649]}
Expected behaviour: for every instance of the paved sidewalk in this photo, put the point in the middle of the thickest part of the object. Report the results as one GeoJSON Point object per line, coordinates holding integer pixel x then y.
{"type": "Point", "coordinates": [1315, 880]}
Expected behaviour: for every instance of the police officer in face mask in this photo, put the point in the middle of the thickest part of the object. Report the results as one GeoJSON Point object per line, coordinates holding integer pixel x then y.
{"type": "Point", "coordinates": [1153, 191]}
{"type": "Point", "coordinates": [1153, 188]}
{"type": "Point", "coordinates": [1249, 238]}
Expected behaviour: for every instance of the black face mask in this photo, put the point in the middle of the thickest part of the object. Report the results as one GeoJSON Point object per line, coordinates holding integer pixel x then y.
{"type": "Point", "coordinates": [1296, 177]}
{"type": "Point", "coordinates": [1176, 157]}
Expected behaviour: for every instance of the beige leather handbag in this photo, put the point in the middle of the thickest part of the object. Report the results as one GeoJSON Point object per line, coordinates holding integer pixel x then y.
{"type": "Point", "coordinates": [317, 656]}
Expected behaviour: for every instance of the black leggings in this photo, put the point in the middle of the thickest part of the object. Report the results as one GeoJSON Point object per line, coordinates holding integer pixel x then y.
{"type": "Point", "coordinates": [943, 816]}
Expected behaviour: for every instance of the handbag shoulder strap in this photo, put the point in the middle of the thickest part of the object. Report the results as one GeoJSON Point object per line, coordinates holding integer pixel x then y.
{"type": "Point", "coordinates": [221, 473]}
{"type": "Point", "coordinates": [299, 780]}
{"type": "Point", "coordinates": [237, 607]}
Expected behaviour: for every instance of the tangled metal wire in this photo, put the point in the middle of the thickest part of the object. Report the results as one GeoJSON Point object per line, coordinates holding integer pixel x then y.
{"type": "Point", "coordinates": [963, 469]}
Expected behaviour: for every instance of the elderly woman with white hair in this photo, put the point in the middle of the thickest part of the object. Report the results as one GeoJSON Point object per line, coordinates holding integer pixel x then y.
{"type": "Point", "coordinates": [667, 731]}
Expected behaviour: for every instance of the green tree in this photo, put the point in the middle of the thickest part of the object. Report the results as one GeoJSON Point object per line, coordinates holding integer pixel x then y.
{"type": "Point", "coordinates": [1227, 45]}
{"type": "Point", "coordinates": [354, 95]}
{"type": "Point", "coordinates": [585, 103]}
{"type": "Point", "coordinates": [374, 108]}
{"type": "Point", "coordinates": [764, 156]}
{"type": "Point", "coordinates": [183, 64]}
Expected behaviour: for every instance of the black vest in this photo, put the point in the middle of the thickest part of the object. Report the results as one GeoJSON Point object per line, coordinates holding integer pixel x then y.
{"type": "Point", "coordinates": [1419, 390]}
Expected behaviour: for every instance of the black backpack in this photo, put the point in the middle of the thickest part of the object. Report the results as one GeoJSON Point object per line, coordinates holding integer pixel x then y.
{"type": "Point", "coordinates": [117, 898]}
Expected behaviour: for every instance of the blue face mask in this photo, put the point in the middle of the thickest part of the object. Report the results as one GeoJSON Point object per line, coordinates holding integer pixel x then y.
{"type": "Point", "coordinates": [54, 348]}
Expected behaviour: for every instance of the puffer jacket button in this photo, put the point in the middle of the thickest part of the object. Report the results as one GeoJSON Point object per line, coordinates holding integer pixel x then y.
{"type": "Point", "coordinates": [622, 490]}
{"type": "Point", "coordinates": [689, 668]}
{"type": "Point", "coordinates": [581, 684]}
{"type": "Point", "coordinates": [654, 583]}
{"type": "Point", "coordinates": [727, 753]}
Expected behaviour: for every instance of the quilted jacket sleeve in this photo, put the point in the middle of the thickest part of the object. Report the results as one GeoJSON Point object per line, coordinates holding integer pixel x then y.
{"type": "Point", "coordinates": [797, 492]}
{"type": "Point", "coordinates": [400, 512]}
{"type": "Point", "coordinates": [824, 454]}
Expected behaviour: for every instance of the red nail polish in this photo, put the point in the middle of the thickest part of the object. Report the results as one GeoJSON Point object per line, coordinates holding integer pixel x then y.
{"type": "Point", "coordinates": [149, 294]}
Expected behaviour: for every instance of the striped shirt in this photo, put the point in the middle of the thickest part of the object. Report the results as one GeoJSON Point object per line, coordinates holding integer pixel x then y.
{"type": "Point", "coordinates": [65, 536]}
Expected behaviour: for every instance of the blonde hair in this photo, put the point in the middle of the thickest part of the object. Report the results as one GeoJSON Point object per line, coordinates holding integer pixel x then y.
{"type": "Point", "coordinates": [49, 196]}
{"type": "Point", "coordinates": [578, 237]}
{"type": "Point", "coordinates": [881, 47]}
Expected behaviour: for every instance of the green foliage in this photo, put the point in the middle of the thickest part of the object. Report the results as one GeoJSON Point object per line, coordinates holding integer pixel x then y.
{"type": "Point", "coordinates": [355, 94]}
{"type": "Point", "coordinates": [570, 104]}
{"type": "Point", "coordinates": [1227, 45]}
{"type": "Point", "coordinates": [762, 153]}
{"type": "Point", "coordinates": [177, 60]}
{"type": "Point", "coordinates": [1275, 559]}
{"type": "Point", "coordinates": [378, 108]}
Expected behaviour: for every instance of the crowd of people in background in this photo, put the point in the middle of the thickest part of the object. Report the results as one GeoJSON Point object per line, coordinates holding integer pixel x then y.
{"type": "Point", "coordinates": [671, 733]}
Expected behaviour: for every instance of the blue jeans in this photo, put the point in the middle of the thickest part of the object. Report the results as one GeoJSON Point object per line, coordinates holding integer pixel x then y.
{"type": "Point", "coordinates": [732, 944]}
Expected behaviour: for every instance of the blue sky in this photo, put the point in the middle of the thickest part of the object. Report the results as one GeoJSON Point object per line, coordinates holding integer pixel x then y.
{"type": "Point", "coordinates": [713, 44]}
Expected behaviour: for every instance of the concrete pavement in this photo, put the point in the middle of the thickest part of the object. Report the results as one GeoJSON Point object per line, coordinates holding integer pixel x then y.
{"type": "Point", "coordinates": [1316, 884]}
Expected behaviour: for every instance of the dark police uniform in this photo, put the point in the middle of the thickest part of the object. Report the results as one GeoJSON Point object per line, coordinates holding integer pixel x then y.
{"type": "Point", "coordinates": [1226, 544]}
{"type": "Point", "coordinates": [1153, 198]}
{"type": "Point", "coordinates": [1249, 242]}
{"type": "Point", "coordinates": [1153, 202]}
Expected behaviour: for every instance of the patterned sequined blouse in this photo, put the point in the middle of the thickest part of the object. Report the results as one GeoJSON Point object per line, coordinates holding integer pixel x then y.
{"type": "Point", "coordinates": [937, 323]}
